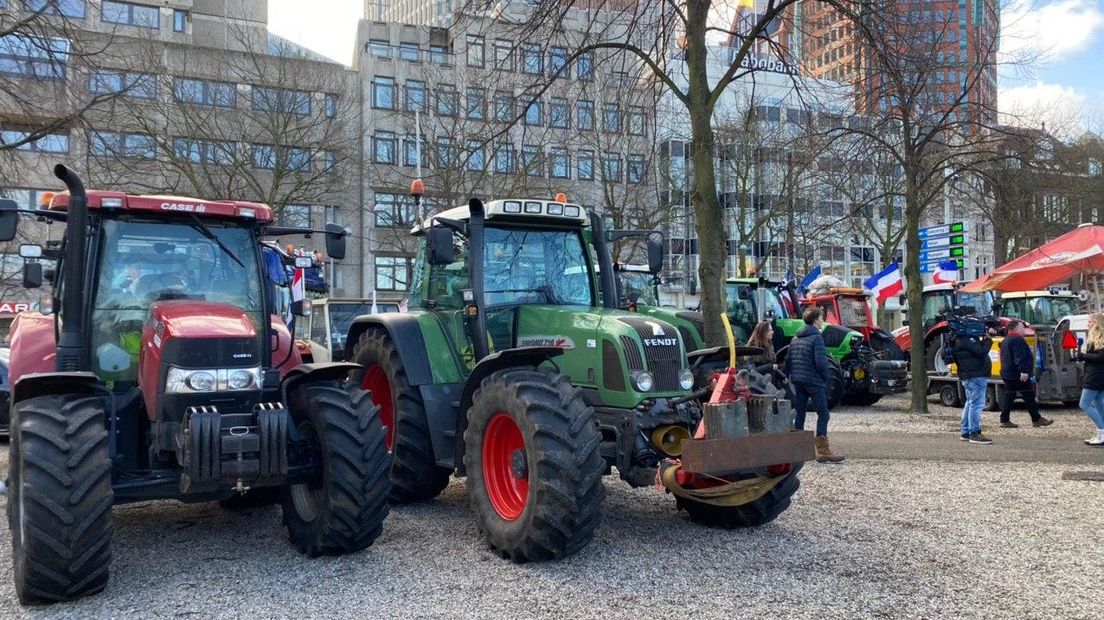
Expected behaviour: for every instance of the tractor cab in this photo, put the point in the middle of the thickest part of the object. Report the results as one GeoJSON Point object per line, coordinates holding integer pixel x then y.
{"type": "Point", "coordinates": [849, 307]}
{"type": "Point", "coordinates": [751, 300]}
{"type": "Point", "coordinates": [636, 286]}
{"type": "Point", "coordinates": [1040, 309]}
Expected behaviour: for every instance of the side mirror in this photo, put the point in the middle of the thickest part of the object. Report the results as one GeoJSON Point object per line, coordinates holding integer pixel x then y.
{"type": "Point", "coordinates": [30, 250]}
{"type": "Point", "coordinates": [904, 322]}
{"type": "Point", "coordinates": [9, 219]}
{"type": "Point", "coordinates": [304, 262]}
{"type": "Point", "coordinates": [439, 249]}
{"type": "Point", "coordinates": [301, 308]}
{"type": "Point", "coordinates": [335, 241]}
{"type": "Point", "coordinates": [655, 255]}
{"type": "Point", "coordinates": [32, 275]}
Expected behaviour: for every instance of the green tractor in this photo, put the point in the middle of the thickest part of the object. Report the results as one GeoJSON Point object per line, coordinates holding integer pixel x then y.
{"type": "Point", "coordinates": [507, 370]}
{"type": "Point", "coordinates": [638, 291]}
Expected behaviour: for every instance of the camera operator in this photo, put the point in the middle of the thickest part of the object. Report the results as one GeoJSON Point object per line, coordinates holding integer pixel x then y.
{"type": "Point", "coordinates": [1018, 374]}
{"type": "Point", "coordinates": [971, 355]}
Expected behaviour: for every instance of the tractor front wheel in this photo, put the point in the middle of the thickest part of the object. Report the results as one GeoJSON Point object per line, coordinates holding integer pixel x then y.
{"type": "Point", "coordinates": [752, 514]}
{"type": "Point", "coordinates": [836, 385]}
{"type": "Point", "coordinates": [59, 508]}
{"type": "Point", "coordinates": [343, 509]}
{"type": "Point", "coordinates": [534, 465]}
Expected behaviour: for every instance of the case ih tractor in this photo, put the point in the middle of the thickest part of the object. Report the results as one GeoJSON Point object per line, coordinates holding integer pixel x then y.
{"type": "Point", "coordinates": [506, 369]}
{"type": "Point", "coordinates": [942, 301]}
{"type": "Point", "coordinates": [165, 375]}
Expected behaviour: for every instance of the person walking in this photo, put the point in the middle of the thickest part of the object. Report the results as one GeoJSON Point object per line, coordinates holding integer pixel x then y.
{"type": "Point", "coordinates": [1018, 375]}
{"type": "Point", "coordinates": [971, 356]}
{"type": "Point", "coordinates": [1092, 386]}
{"type": "Point", "coordinates": [809, 372]}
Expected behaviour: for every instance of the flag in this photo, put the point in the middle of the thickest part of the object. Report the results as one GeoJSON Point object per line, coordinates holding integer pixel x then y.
{"type": "Point", "coordinates": [297, 285]}
{"type": "Point", "coordinates": [886, 283]}
{"type": "Point", "coordinates": [788, 278]}
{"type": "Point", "coordinates": [809, 279]}
{"type": "Point", "coordinates": [945, 273]}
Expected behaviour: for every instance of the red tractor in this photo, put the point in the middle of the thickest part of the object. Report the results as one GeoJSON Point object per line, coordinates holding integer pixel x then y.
{"type": "Point", "coordinates": [165, 374]}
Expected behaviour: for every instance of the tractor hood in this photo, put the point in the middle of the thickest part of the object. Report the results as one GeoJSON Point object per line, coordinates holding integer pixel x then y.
{"type": "Point", "coordinates": [200, 319]}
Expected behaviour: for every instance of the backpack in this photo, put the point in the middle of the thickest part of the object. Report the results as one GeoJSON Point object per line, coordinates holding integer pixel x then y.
{"type": "Point", "coordinates": [948, 351]}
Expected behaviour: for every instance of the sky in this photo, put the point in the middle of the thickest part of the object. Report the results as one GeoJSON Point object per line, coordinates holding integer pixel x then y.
{"type": "Point", "coordinates": [1051, 61]}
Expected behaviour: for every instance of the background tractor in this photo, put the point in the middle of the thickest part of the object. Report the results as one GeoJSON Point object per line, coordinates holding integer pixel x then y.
{"type": "Point", "coordinates": [638, 291]}
{"type": "Point", "coordinates": [166, 375]}
{"type": "Point", "coordinates": [507, 370]}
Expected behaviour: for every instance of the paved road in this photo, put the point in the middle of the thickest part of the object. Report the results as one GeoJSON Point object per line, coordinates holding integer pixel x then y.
{"type": "Point", "coordinates": [1025, 448]}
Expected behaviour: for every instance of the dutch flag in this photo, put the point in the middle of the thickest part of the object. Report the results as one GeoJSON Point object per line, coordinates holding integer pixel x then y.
{"type": "Point", "coordinates": [945, 273]}
{"type": "Point", "coordinates": [886, 283]}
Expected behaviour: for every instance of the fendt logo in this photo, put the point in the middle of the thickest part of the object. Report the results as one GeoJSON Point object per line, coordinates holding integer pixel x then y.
{"type": "Point", "coordinates": [660, 342]}
{"type": "Point", "coordinates": [180, 206]}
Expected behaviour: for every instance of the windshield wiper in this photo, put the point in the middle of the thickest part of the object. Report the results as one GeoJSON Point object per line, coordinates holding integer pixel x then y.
{"type": "Point", "coordinates": [206, 232]}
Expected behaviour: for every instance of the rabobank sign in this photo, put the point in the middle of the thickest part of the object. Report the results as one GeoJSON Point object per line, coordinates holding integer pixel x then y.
{"type": "Point", "coordinates": [761, 63]}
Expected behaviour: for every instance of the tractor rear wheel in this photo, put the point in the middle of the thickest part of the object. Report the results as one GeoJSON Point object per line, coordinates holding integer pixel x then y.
{"type": "Point", "coordinates": [836, 387]}
{"type": "Point", "coordinates": [343, 509]}
{"type": "Point", "coordinates": [59, 507]}
{"type": "Point", "coordinates": [415, 475]}
{"type": "Point", "coordinates": [534, 465]}
{"type": "Point", "coordinates": [752, 514]}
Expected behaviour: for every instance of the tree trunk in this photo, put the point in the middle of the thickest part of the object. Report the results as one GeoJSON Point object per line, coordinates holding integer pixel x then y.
{"type": "Point", "coordinates": [915, 288]}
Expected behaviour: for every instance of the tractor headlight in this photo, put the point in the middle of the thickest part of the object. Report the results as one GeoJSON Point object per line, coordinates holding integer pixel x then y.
{"type": "Point", "coordinates": [644, 381]}
{"type": "Point", "coordinates": [686, 379]}
{"type": "Point", "coordinates": [189, 381]}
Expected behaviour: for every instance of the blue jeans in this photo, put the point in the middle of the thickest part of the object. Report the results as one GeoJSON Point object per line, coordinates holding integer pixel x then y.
{"type": "Point", "coordinates": [1092, 401]}
{"type": "Point", "coordinates": [819, 396]}
{"type": "Point", "coordinates": [975, 399]}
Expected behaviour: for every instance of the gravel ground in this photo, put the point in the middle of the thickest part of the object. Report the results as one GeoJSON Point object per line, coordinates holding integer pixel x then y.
{"type": "Point", "coordinates": [866, 539]}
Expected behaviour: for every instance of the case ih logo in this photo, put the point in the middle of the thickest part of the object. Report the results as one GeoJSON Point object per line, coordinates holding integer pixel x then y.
{"type": "Point", "coordinates": [660, 342]}
{"type": "Point", "coordinates": [11, 307]}
{"type": "Point", "coordinates": [182, 206]}
{"type": "Point", "coordinates": [560, 342]}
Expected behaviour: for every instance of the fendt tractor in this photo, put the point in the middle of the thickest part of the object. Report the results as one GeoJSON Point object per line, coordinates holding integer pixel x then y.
{"type": "Point", "coordinates": [166, 375]}
{"type": "Point", "coordinates": [638, 291]}
{"type": "Point", "coordinates": [507, 370]}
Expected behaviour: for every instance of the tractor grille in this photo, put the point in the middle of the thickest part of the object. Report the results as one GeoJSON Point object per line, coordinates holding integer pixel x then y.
{"type": "Point", "coordinates": [211, 352]}
{"type": "Point", "coordinates": [662, 359]}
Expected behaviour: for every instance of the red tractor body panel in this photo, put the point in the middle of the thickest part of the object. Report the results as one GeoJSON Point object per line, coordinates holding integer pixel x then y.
{"type": "Point", "coordinates": [285, 345]}
{"type": "Point", "coordinates": [169, 204]}
{"type": "Point", "coordinates": [33, 348]}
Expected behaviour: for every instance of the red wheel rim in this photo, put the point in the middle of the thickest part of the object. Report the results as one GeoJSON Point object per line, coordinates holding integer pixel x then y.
{"type": "Point", "coordinates": [375, 381]}
{"type": "Point", "coordinates": [505, 467]}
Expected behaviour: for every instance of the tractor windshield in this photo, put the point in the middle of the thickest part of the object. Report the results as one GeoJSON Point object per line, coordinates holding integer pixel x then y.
{"type": "Point", "coordinates": [141, 262]}
{"type": "Point", "coordinates": [638, 283]}
{"type": "Point", "coordinates": [855, 312]}
{"type": "Point", "coordinates": [536, 267]}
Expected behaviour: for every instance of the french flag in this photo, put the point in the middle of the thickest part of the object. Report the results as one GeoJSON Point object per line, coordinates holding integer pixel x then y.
{"type": "Point", "coordinates": [886, 283]}
{"type": "Point", "coordinates": [945, 273]}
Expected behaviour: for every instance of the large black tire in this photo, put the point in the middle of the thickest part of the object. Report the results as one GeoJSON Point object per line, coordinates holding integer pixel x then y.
{"type": "Point", "coordinates": [557, 457]}
{"type": "Point", "coordinates": [753, 514]}
{"type": "Point", "coordinates": [343, 509]}
{"type": "Point", "coordinates": [59, 508]}
{"type": "Point", "coordinates": [415, 475]}
{"type": "Point", "coordinates": [836, 385]}
{"type": "Point", "coordinates": [861, 398]}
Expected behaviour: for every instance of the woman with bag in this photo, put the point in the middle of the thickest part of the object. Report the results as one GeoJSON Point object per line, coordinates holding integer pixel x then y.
{"type": "Point", "coordinates": [1092, 388]}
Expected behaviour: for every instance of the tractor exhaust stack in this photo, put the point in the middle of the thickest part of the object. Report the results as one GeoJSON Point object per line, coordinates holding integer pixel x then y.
{"type": "Point", "coordinates": [72, 354]}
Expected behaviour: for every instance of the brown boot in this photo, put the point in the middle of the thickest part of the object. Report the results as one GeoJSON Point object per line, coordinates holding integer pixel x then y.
{"type": "Point", "coordinates": [824, 453]}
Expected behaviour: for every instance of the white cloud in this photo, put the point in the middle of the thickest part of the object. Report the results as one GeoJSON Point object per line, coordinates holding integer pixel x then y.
{"type": "Point", "coordinates": [1061, 108]}
{"type": "Point", "coordinates": [1051, 30]}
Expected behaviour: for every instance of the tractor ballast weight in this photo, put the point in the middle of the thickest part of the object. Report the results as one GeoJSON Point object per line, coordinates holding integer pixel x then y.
{"type": "Point", "coordinates": [171, 378]}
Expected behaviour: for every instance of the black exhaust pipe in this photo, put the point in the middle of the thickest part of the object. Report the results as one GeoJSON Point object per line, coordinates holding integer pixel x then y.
{"type": "Point", "coordinates": [607, 280]}
{"type": "Point", "coordinates": [477, 324]}
{"type": "Point", "coordinates": [72, 351]}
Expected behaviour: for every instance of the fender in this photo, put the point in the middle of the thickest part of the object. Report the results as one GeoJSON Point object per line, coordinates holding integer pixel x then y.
{"type": "Point", "coordinates": [45, 383]}
{"type": "Point", "coordinates": [406, 335]}
{"type": "Point", "coordinates": [33, 347]}
{"type": "Point", "coordinates": [507, 358]}
{"type": "Point", "coordinates": [305, 373]}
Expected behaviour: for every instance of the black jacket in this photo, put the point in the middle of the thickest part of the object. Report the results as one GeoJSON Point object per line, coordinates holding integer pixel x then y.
{"type": "Point", "coordinates": [1094, 369]}
{"type": "Point", "coordinates": [807, 359]}
{"type": "Point", "coordinates": [1016, 358]}
{"type": "Point", "coordinates": [971, 355]}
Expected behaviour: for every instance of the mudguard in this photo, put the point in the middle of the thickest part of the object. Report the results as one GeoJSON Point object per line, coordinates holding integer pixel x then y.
{"type": "Point", "coordinates": [44, 383]}
{"type": "Point", "coordinates": [314, 372]}
{"type": "Point", "coordinates": [406, 335]}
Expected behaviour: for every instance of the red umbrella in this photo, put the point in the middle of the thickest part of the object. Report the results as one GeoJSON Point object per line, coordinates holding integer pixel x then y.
{"type": "Point", "coordinates": [1078, 252]}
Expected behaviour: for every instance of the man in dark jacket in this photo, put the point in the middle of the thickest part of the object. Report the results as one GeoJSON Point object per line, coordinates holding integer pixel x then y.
{"type": "Point", "coordinates": [1018, 375]}
{"type": "Point", "coordinates": [971, 356]}
{"type": "Point", "coordinates": [809, 371]}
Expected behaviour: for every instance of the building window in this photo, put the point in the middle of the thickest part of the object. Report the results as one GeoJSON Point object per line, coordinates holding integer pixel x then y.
{"type": "Point", "coordinates": [393, 210]}
{"type": "Point", "coordinates": [264, 156]}
{"type": "Point", "coordinates": [611, 118]}
{"type": "Point", "coordinates": [531, 160]}
{"type": "Point", "coordinates": [297, 216]}
{"type": "Point", "coordinates": [447, 98]}
{"type": "Point", "coordinates": [129, 14]}
{"type": "Point", "coordinates": [379, 49]}
{"type": "Point", "coordinates": [410, 152]}
{"type": "Point", "coordinates": [132, 85]}
{"type": "Point", "coordinates": [534, 113]}
{"type": "Point", "coordinates": [331, 106]}
{"type": "Point", "coordinates": [383, 92]}
{"type": "Point", "coordinates": [585, 166]}
{"type": "Point", "coordinates": [67, 8]}
{"type": "Point", "coordinates": [298, 159]}
{"type": "Point", "coordinates": [180, 20]}
{"type": "Point", "coordinates": [115, 144]}
{"type": "Point", "coordinates": [384, 148]}
{"type": "Point", "coordinates": [329, 160]}
{"type": "Point", "coordinates": [559, 164]}
{"type": "Point", "coordinates": [34, 57]}
{"type": "Point", "coordinates": [446, 153]}
{"type": "Point", "coordinates": [636, 121]}
{"type": "Point", "coordinates": [504, 159]}
{"type": "Point", "coordinates": [503, 55]}
{"type": "Point", "coordinates": [504, 107]}
{"type": "Point", "coordinates": [584, 66]}
{"type": "Point", "coordinates": [49, 143]}
{"type": "Point", "coordinates": [209, 152]}
{"type": "Point", "coordinates": [557, 59]}
{"type": "Point", "coordinates": [415, 96]}
{"type": "Point", "coordinates": [332, 215]}
{"type": "Point", "coordinates": [477, 51]}
{"type": "Point", "coordinates": [476, 161]}
{"type": "Point", "coordinates": [474, 107]}
{"type": "Point", "coordinates": [438, 54]}
{"type": "Point", "coordinates": [392, 273]}
{"type": "Point", "coordinates": [532, 61]}
{"type": "Point", "coordinates": [584, 113]}
{"type": "Point", "coordinates": [202, 92]}
{"type": "Point", "coordinates": [558, 115]}
{"type": "Point", "coordinates": [635, 168]}
{"type": "Point", "coordinates": [611, 167]}
{"type": "Point", "coordinates": [281, 100]}
{"type": "Point", "coordinates": [410, 51]}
